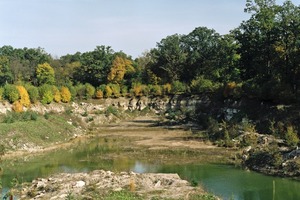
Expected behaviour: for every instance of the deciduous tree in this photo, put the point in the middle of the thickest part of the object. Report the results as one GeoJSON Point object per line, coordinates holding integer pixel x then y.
{"type": "Point", "coordinates": [45, 74]}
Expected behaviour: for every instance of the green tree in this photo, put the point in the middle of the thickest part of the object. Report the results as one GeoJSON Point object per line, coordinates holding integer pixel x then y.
{"type": "Point", "coordinates": [23, 62]}
{"type": "Point", "coordinates": [45, 74]}
{"type": "Point", "coordinates": [202, 47]}
{"type": "Point", "coordinates": [95, 66]}
{"type": "Point", "coordinates": [170, 57]}
{"type": "Point", "coordinates": [268, 48]}
{"type": "Point", "coordinates": [5, 73]}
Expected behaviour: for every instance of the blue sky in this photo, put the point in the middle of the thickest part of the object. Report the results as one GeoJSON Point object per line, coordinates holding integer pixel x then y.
{"type": "Point", "coordinates": [133, 26]}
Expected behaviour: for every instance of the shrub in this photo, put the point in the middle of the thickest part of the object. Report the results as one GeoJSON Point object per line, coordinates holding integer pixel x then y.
{"type": "Point", "coordinates": [65, 94]}
{"type": "Point", "coordinates": [11, 93]}
{"type": "Point", "coordinates": [12, 117]}
{"type": "Point", "coordinates": [116, 90]}
{"type": "Point", "coordinates": [46, 94]}
{"type": "Point", "coordinates": [80, 91]}
{"type": "Point", "coordinates": [108, 91]}
{"type": "Point", "coordinates": [156, 90]}
{"type": "Point", "coordinates": [47, 98]}
{"type": "Point", "coordinates": [228, 90]}
{"type": "Point", "coordinates": [200, 85]}
{"type": "Point", "coordinates": [1, 93]}
{"type": "Point", "coordinates": [167, 88]}
{"type": "Point", "coordinates": [17, 106]}
{"type": "Point", "coordinates": [124, 90]}
{"type": "Point", "coordinates": [111, 110]}
{"type": "Point", "coordinates": [249, 140]}
{"type": "Point", "coordinates": [99, 94]}
{"type": "Point", "coordinates": [178, 87]}
{"type": "Point", "coordinates": [136, 90]}
{"type": "Point", "coordinates": [89, 91]}
{"type": "Point", "coordinates": [24, 96]}
{"type": "Point", "coordinates": [291, 136]}
{"type": "Point", "coordinates": [56, 94]}
{"type": "Point", "coordinates": [33, 94]}
{"type": "Point", "coordinates": [145, 90]}
{"type": "Point", "coordinates": [72, 90]}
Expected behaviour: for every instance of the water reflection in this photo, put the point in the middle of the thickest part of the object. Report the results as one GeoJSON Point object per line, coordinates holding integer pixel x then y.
{"type": "Point", "coordinates": [225, 181]}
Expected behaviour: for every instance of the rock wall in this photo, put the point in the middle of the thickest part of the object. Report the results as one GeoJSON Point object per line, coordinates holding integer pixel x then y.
{"type": "Point", "coordinates": [216, 107]}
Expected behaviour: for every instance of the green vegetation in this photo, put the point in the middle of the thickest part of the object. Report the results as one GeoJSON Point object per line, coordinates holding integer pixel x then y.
{"type": "Point", "coordinates": [31, 129]}
{"type": "Point", "coordinates": [258, 59]}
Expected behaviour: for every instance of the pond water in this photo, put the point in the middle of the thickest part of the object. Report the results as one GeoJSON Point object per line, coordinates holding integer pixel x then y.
{"type": "Point", "coordinates": [225, 181]}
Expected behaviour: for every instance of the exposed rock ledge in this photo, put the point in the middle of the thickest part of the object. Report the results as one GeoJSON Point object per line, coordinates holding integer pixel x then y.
{"type": "Point", "coordinates": [101, 182]}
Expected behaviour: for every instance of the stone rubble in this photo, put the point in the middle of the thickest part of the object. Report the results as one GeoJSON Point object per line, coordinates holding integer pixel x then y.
{"type": "Point", "coordinates": [59, 186]}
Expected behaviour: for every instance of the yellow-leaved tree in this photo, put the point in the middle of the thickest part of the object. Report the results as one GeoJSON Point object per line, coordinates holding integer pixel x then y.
{"type": "Point", "coordinates": [24, 96]}
{"type": "Point", "coordinates": [56, 94]}
{"type": "Point", "coordinates": [45, 74]}
{"type": "Point", "coordinates": [118, 69]}
{"type": "Point", "coordinates": [65, 94]}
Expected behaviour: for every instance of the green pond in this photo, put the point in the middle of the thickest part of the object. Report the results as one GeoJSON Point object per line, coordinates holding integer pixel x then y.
{"type": "Point", "coordinates": [226, 181]}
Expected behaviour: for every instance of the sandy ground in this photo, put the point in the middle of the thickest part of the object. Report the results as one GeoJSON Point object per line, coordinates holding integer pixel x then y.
{"type": "Point", "coordinates": [153, 136]}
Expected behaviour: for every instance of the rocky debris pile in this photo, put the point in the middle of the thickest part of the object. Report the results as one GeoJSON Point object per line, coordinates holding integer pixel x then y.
{"type": "Point", "coordinates": [269, 155]}
{"type": "Point", "coordinates": [80, 185]}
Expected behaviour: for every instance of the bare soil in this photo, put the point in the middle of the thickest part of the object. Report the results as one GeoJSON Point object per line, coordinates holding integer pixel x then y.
{"type": "Point", "coordinates": [153, 136]}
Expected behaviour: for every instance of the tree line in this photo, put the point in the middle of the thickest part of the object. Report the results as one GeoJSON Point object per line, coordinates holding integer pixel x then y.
{"type": "Point", "coordinates": [259, 59]}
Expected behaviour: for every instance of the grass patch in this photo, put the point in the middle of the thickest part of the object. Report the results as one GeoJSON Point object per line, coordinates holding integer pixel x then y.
{"type": "Point", "coordinates": [124, 195]}
{"type": "Point", "coordinates": [12, 117]}
{"type": "Point", "coordinates": [18, 129]}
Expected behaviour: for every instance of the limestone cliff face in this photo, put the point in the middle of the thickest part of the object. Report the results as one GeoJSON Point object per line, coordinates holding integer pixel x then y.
{"type": "Point", "coordinates": [219, 108]}
{"type": "Point", "coordinates": [158, 104]}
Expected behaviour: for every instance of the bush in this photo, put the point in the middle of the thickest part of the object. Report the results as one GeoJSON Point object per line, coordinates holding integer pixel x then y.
{"type": "Point", "coordinates": [167, 88]}
{"type": "Point", "coordinates": [33, 94]}
{"type": "Point", "coordinates": [116, 90]}
{"type": "Point", "coordinates": [72, 90]}
{"type": "Point", "coordinates": [200, 85]}
{"type": "Point", "coordinates": [178, 87]}
{"type": "Point", "coordinates": [229, 88]}
{"type": "Point", "coordinates": [11, 93]}
{"type": "Point", "coordinates": [136, 90]}
{"type": "Point", "coordinates": [291, 137]}
{"type": "Point", "coordinates": [80, 91]}
{"type": "Point", "coordinates": [56, 94]}
{"type": "Point", "coordinates": [47, 98]}
{"type": "Point", "coordinates": [108, 91]}
{"type": "Point", "coordinates": [17, 106]}
{"type": "Point", "coordinates": [111, 110]}
{"type": "Point", "coordinates": [155, 90]}
{"type": "Point", "coordinates": [145, 90]}
{"type": "Point", "coordinates": [46, 94]}
{"type": "Point", "coordinates": [24, 96]}
{"type": "Point", "coordinates": [12, 117]}
{"type": "Point", "coordinates": [1, 93]}
{"type": "Point", "coordinates": [99, 94]}
{"type": "Point", "coordinates": [124, 90]}
{"type": "Point", "coordinates": [65, 94]}
{"type": "Point", "coordinates": [249, 140]}
{"type": "Point", "coordinates": [89, 91]}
